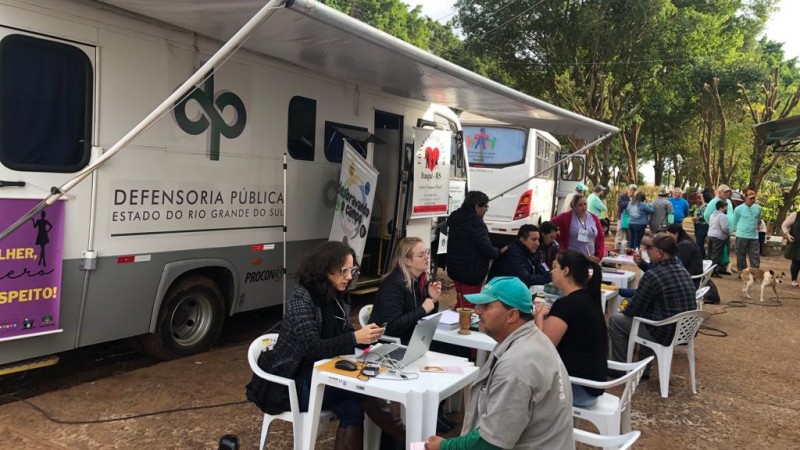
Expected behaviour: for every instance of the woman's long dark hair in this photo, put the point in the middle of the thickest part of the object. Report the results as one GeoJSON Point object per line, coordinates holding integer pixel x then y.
{"type": "Point", "coordinates": [677, 228]}
{"type": "Point", "coordinates": [579, 266]}
{"type": "Point", "coordinates": [313, 274]}
{"type": "Point", "coordinates": [473, 199]}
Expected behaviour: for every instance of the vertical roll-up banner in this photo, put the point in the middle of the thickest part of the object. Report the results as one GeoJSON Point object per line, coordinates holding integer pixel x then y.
{"type": "Point", "coordinates": [354, 199]}
{"type": "Point", "coordinates": [431, 173]}
{"type": "Point", "coordinates": [30, 270]}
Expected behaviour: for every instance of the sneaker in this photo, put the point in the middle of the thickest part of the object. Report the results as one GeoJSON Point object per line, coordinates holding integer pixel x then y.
{"type": "Point", "coordinates": [724, 272]}
{"type": "Point", "coordinates": [794, 283]}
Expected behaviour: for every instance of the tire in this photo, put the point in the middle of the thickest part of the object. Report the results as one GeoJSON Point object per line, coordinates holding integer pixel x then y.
{"type": "Point", "coordinates": [190, 319]}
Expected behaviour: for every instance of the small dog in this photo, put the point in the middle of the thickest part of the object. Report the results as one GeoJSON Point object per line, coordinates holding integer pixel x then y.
{"type": "Point", "coordinates": [763, 277]}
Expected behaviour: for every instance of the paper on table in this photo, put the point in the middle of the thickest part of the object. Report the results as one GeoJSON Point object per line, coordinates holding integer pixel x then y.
{"type": "Point", "coordinates": [417, 446]}
{"type": "Point", "coordinates": [442, 369]}
{"type": "Point", "coordinates": [449, 317]}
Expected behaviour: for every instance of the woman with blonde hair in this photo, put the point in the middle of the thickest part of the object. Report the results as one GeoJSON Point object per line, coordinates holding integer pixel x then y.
{"type": "Point", "coordinates": [406, 295]}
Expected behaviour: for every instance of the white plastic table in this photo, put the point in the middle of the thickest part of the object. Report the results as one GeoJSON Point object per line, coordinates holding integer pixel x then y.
{"type": "Point", "coordinates": [420, 396]}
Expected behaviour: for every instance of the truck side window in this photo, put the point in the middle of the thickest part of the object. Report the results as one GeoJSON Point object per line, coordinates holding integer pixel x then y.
{"type": "Point", "coordinates": [45, 105]}
{"type": "Point", "coordinates": [336, 133]}
{"type": "Point", "coordinates": [302, 128]}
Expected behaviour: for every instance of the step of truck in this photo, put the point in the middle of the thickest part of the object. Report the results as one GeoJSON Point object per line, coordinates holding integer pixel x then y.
{"type": "Point", "coordinates": [29, 364]}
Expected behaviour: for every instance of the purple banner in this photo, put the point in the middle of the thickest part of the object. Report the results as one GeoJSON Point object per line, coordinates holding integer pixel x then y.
{"type": "Point", "coordinates": [30, 269]}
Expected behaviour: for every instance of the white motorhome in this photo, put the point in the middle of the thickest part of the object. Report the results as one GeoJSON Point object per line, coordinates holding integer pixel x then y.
{"type": "Point", "coordinates": [516, 167]}
{"type": "Point", "coordinates": [197, 219]}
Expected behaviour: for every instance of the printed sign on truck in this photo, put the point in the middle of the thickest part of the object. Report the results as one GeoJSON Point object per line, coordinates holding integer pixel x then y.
{"type": "Point", "coordinates": [30, 269]}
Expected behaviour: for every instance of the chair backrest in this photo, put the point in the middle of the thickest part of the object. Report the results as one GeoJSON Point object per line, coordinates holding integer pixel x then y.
{"type": "Point", "coordinates": [620, 442]}
{"type": "Point", "coordinates": [266, 341]}
{"type": "Point", "coordinates": [686, 326]}
{"type": "Point", "coordinates": [699, 295]}
{"type": "Point", "coordinates": [706, 264]}
{"type": "Point", "coordinates": [705, 276]}
{"type": "Point", "coordinates": [363, 314]}
{"type": "Point", "coordinates": [635, 371]}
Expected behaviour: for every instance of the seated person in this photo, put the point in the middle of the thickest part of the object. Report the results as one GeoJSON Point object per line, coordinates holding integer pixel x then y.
{"type": "Point", "coordinates": [405, 296]}
{"type": "Point", "coordinates": [522, 260]}
{"type": "Point", "coordinates": [688, 251]}
{"type": "Point", "coordinates": [519, 399]}
{"type": "Point", "coordinates": [576, 323]}
{"type": "Point", "coordinates": [316, 326]}
{"type": "Point", "coordinates": [664, 290]}
{"type": "Point", "coordinates": [548, 246]}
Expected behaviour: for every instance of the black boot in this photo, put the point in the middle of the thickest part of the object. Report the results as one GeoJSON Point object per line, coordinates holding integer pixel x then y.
{"type": "Point", "coordinates": [349, 438]}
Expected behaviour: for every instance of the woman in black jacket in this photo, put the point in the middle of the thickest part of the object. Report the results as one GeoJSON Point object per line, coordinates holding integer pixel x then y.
{"type": "Point", "coordinates": [688, 251]}
{"type": "Point", "coordinates": [405, 295]}
{"type": "Point", "coordinates": [316, 325]}
{"type": "Point", "coordinates": [469, 249]}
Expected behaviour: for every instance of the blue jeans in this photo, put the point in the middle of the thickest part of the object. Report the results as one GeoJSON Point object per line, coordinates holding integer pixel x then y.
{"type": "Point", "coordinates": [345, 404]}
{"type": "Point", "coordinates": [581, 398]}
{"type": "Point", "coordinates": [637, 233]}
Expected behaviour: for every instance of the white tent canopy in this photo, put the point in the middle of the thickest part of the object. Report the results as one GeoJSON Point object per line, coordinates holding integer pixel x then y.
{"type": "Point", "coordinates": [318, 38]}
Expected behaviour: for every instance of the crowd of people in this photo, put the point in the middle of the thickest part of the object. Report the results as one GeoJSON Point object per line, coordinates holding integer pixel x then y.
{"type": "Point", "coordinates": [521, 397]}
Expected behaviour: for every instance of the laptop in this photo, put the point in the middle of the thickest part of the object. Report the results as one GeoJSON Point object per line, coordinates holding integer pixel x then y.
{"type": "Point", "coordinates": [418, 345]}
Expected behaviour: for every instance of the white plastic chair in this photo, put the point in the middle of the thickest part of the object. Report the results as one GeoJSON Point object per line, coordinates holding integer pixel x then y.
{"type": "Point", "coordinates": [364, 313]}
{"type": "Point", "coordinates": [611, 414]}
{"type": "Point", "coordinates": [686, 326]}
{"type": "Point", "coordinates": [620, 442]}
{"type": "Point", "coordinates": [293, 415]}
{"type": "Point", "coordinates": [705, 276]}
{"type": "Point", "coordinates": [698, 296]}
{"type": "Point", "coordinates": [706, 264]}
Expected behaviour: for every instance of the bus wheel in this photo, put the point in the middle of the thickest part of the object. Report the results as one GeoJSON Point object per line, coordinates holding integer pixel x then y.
{"type": "Point", "coordinates": [189, 321]}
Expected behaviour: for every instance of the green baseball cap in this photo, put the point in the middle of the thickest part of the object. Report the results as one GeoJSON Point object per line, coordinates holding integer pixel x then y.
{"type": "Point", "coordinates": [509, 290]}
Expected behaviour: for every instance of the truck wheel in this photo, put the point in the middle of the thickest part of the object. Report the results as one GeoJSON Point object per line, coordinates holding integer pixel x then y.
{"type": "Point", "coordinates": [189, 321]}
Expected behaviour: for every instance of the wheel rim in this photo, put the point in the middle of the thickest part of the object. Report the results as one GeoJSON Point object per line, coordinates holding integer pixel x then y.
{"type": "Point", "coordinates": [191, 320]}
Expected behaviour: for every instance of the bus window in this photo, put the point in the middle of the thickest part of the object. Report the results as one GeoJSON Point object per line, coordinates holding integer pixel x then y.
{"type": "Point", "coordinates": [495, 146]}
{"type": "Point", "coordinates": [544, 158]}
{"type": "Point", "coordinates": [572, 169]}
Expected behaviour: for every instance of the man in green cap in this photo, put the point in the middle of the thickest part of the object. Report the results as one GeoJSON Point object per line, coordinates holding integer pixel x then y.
{"type": "Point", "coordinates": [521, 398]}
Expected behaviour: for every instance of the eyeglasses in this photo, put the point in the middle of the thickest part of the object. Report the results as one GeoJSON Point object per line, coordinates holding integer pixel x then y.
{"type": "Point", "coordinates": [423, 254]}
{"type": "Point", "coordinates": [353, 271]}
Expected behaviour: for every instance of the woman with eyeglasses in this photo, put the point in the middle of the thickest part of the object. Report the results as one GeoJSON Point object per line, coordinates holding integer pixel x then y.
{"type": "Point", "coordinates": [469, 248]}
{"type": "Point", "coordinates": [576, 323]}
{"type": "Point", "coordinates": [406, 295]}
{"type": "Point", "coordinates": [580, 230]}
{"type": "Point", "coordinates": [316, 325]}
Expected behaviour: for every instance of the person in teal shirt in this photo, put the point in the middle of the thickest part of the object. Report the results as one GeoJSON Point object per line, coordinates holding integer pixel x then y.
{"type": "Point", "coordinates": [595, 201]}
{"type": "Point", "coordinates": [746, 218]}
{"type": "Point", "coordinates": [723, 192]}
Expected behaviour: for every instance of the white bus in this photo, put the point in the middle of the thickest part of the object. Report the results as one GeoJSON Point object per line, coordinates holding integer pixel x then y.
{"type": "Point", "coordinates": [502, 156]}
{"type": "Point", "coordinates": [185, 226]}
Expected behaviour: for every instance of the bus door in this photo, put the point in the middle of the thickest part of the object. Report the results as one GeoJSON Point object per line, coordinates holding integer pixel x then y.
{"type": "Point", "coordinates": [571, 172]}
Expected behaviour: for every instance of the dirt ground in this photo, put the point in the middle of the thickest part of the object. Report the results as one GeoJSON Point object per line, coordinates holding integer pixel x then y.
{"type": "Point", "coordinates": [747, 378]}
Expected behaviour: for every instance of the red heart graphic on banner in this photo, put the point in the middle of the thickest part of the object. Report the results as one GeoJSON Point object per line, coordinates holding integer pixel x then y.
{"type": "Point", "coordinates": [431, 157]}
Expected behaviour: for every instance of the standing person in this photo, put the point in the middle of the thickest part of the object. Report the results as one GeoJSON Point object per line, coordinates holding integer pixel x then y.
{"type": "Point", "coordinates": [469, 249]}
{"type": "Point", "coordinates": [746, 218]}
{"type": "Point", "coordinates": [580, 189]}
{"type": "Point", "coordinates": [405, 295]}
{"type": "Point", "coordinates": [520, 399]}
{"type": "Point", "coordinates": [724, 193]}
{"type": "Point", "coordinates": [718, 237]}
{"type": "Point", "coordinates": [662, 212]}
{"type": "Point", "coordinates": [576, 324]}
{"type": "Point", "coordinates": [700, 224]}
{"type": "Point", "coordinates": [521, 260]}
{"type": "Point", "coordinates": [622, 206]}
{"type": "Point", "coordinates": [315, 326]}
{"type": "Point", "coordinates": [595, 201]}
{"type": "Point", "coordinates": [762, 236]}
{"type": "Point", "coordinates": [548, 247]}
{"type": "Point", "coordinates": [639, 212]}
{"type": "Point", "coordinates": [664, 290]}
{"type": "Point", "coordinates": [791, 229]}
{"type": "Point", "coordinates": [580, 230]}
{"type": "Point", "coordinates": [680, 207]}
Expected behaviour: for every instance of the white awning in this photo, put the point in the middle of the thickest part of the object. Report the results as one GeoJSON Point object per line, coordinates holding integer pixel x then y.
{"type": "Point", "coordinates": [321, 39]}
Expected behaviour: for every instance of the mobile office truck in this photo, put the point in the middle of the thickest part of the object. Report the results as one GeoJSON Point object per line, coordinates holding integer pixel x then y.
{"type": "Point", "coordinates": [500, 156]}
{"type": "Point", "coordinates": [199, 217]}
